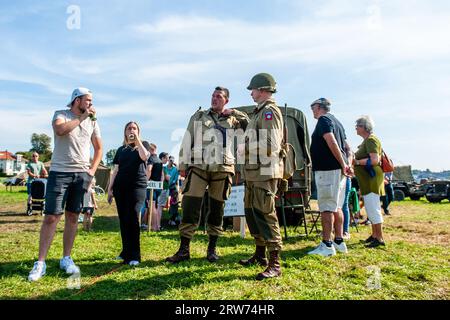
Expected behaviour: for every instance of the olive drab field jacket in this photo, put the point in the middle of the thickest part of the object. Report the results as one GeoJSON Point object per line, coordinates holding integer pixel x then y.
{"type": "Point", "coordinates": [264, 136]}
{"type": "Point", "coordinates": [207, 143]}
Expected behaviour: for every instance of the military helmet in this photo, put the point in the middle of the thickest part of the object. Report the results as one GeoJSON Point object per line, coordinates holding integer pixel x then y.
{"type": "Point", "coordinates": [322, 101]}
{"type": "Point", "coordinates": [263, 81]}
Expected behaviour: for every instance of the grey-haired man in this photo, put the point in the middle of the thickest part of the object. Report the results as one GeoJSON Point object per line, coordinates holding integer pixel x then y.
{"type": "Point", "coordinates": [330, 154]}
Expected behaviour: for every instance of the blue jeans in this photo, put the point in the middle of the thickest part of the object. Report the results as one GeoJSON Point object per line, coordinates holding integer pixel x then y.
{"type": "Point", "coordinates": [388, 197]}
{"type": "Point", "coordinates": [345, 209]}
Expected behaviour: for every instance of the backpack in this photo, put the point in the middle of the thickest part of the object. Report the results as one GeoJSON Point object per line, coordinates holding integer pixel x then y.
{"type": "Point", "coordinates": [386, 163]}
{"type": "Point", "coordinates": [287, 153]}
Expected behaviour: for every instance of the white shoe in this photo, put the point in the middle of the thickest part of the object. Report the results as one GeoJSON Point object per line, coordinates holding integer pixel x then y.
{"type": "Point", "coordinates": [340, 247]}
{"type": "Point", "coordinates": [133, 263]}
{"type": "Point", "coordinates": [346, 236]}
{"type": "Point", "coordinates": [323, 250]}
{"type": "Point", "coordinates": [38, 271]}
{"type": "Point", "coordinates": [68, 265]}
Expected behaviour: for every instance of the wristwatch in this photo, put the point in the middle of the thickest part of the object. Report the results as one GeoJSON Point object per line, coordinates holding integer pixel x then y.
{"type": "Point", "coordinates": [357, 162]}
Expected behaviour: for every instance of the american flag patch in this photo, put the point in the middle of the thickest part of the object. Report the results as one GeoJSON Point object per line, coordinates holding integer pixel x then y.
{"type": "Point", "coordinates": [268, 115]}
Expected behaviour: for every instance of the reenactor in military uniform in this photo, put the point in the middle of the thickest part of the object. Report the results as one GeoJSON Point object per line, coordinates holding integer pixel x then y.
{"type": "Point", "coordinates": [262, 171]}
{"type": "Point", "coordinates": [207, 159]}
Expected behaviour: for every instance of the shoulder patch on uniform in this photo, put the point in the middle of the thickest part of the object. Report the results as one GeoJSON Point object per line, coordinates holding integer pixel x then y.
{"type": "Point", "coordinates": [268, 115]}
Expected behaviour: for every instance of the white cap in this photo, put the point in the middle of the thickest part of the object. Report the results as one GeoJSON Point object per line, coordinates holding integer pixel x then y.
{"type": "Point", "coordinates": [78, 92]}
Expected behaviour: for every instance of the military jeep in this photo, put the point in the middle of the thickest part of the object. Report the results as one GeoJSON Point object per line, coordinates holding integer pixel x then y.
{"type": "Point", "coordinates": [438, 191]}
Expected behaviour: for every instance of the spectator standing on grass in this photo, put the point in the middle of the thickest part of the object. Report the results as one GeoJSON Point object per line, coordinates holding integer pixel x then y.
{"type": "Point", "coordinates": [346, 209]}
{"type": "Point", "coordinates": [154, 173]}
{"type": "Point", "coordinates": [89, 206]}
{"type": "Point", "coordinates": [173, 191]}
{"type": "Point", "coordinates": [370, 178]}
{"type": "Point", "coordinates": [71, 173]}
{"type": "Point", "coordinates": [389, 192]}
{"type": "Point", "coordinates": [330, 164]}
{"type": "Point", "coordinates": [128, 186]}
{"type": "Point", "coordinates": [163, 195]}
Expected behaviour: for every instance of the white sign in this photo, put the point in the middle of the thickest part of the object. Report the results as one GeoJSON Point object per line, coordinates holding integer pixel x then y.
{"type": "Point", "coordinates": [154, 184]}
{"type": "Point", "coordinates": [234, 206]}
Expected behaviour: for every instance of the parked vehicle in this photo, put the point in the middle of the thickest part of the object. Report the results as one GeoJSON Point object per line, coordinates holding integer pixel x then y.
{"type": "Point", "coordinates": [404, 185]}
{"type": "Point", "coordinates": [418, 190]}
{"type": "Point", "coordinates": [438, 191]}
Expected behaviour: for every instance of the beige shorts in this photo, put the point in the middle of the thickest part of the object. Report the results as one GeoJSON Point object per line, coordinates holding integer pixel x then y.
{"type": "Point", "coordinates": [330, 190]}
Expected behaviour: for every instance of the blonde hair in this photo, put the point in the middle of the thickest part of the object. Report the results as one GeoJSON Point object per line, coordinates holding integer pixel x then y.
{"type": "Point", "coordinates": [125, 138]}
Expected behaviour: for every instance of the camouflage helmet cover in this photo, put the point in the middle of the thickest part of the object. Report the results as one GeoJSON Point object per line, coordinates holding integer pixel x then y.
{"type": "Point", "coordinates": [322, 101]}
{"type": "Point", "coordinates": [263, 81]}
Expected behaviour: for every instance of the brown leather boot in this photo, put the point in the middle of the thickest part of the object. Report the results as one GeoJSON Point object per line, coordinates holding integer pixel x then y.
{"type": "Point", "coordinates": [274, 268]}
{"type": "Point", "coordinates": [183, 253]}
{"type": "Point", "coordinates": [211, 255]}
{"type": "Point", "coordinates": [258, 257]}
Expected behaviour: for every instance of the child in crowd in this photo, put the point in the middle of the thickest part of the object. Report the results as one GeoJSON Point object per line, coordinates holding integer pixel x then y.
{"type": "Point", "coordinates": [89, 205]}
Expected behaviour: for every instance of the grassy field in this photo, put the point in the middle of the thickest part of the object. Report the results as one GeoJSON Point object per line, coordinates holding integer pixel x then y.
{"type": "Point", "coordinates": [414, 264]}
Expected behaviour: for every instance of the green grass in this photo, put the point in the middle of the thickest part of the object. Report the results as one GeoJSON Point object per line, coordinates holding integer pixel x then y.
{"type": "Point", "coordinates": [414, 265]}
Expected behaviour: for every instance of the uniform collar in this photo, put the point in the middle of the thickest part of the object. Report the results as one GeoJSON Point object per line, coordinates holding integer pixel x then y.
{"type": "Point", "coordinates": [263, 104]}
{"type": "Point", "coordinates": [211, 112]}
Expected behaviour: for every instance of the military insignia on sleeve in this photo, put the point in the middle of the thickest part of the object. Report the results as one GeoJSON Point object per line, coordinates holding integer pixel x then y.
{"type": "Point", "coordinates": [268, 115]}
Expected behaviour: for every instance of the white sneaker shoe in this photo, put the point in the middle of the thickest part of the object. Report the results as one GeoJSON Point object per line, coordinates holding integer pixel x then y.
{"type": "Point", "coordinates": [68, 265]}
{"type": "Point", "coordinates": [38, 271]}
{"type": "Point", "coordinates": [323, 250]}
{"type": "Point", "coordinates": [346, 236]}
{"type": "Point", "coordinates": [340, 247]}
{"type": "Point", "coordinates": [133, 263]}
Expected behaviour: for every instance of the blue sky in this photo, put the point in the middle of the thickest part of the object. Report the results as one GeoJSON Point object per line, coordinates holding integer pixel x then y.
{"type": "Point", "coordinates": [157, 61]}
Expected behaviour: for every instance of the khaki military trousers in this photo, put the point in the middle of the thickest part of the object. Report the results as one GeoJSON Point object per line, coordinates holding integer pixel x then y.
{"type": "Point", "coordinates": [260, 213]}
{"type": "Point", "coordinates": [193, 190]}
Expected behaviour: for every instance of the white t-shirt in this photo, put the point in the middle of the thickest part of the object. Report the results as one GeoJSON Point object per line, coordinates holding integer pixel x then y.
{"type": "Point", "coordinates": [72, 151]}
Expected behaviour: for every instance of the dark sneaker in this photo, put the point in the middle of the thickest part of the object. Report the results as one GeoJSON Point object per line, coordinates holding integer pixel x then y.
{"type": "Point", "coordinates": [376, 243]}
{"type": "Point", "coordinates": [369, 239]}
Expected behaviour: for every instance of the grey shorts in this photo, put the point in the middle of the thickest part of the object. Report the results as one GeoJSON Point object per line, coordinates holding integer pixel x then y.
{"type": "Point", "coordinates": [65, 190]}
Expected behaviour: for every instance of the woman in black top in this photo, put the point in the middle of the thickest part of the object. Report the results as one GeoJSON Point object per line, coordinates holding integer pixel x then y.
{"type": "Point", "coordinates": [128, 186]}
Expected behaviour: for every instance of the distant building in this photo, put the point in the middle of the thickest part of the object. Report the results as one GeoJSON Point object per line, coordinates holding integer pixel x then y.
{"type": "Point", "coordinates": [11, 164]}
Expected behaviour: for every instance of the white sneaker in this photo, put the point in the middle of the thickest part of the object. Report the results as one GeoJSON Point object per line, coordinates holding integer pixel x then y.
{"type": "Point", "coordinates": [38, 271]}
{"type": "Point", "coordinates": [346, 236]}
{"type": "Point", "coordinates": [323, 250]}
{"type": "Point", "coordinates": [68, 265]}
{"type": "Point", "coordinates": [340, 247]}
{"type": "Point", "coordinates": [133, 263]}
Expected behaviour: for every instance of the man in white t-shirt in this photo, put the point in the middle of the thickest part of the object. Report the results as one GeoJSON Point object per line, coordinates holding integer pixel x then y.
{"type": "Point", "coordinates": [71, 173]}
